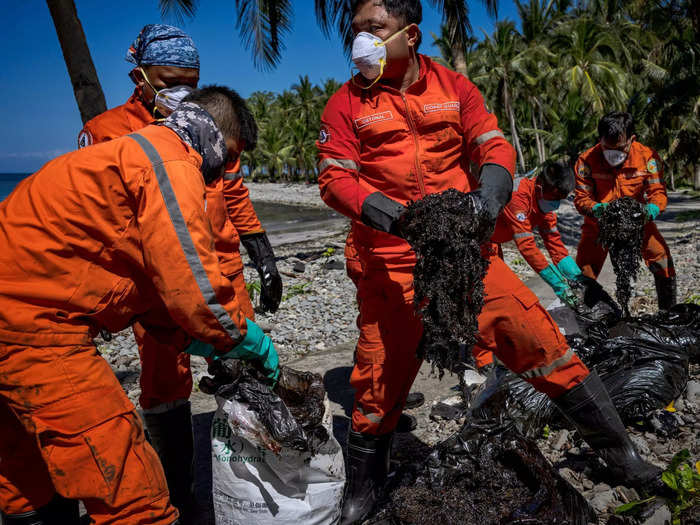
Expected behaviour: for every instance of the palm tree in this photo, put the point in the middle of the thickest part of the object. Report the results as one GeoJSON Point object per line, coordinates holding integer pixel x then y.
{"type": "Point", "coordinates": [589, 65]}
{"type": "Point", "coordinates": [503, 59]}
{"type": "Point", "coordinates": [86, 86]}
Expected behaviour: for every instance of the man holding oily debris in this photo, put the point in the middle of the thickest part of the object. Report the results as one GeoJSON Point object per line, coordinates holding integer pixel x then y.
{"type": "Point", "coordinates": [404, 128]}
{"type": "Point", "coordinates": [619, 166]}
{"type": "Point", "coordinates": [167, 70]}
{"type": "Point", "coordinates": [93, 240]}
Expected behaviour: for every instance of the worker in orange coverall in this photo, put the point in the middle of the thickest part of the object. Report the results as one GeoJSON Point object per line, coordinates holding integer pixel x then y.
{"type": "Point", "coordinates": [93, 240]}
{"type": "Point", "coordinates": [619, 166]}
{"type": "Point", "coordinates": [532, 206]}
{"type": "Point", "coordinates": [167, 69]}
{"type": "Point", "coordinates": [403, 128]}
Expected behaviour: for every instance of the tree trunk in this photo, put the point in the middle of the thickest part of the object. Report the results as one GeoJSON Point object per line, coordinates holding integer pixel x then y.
{"type": "Point", "coordinates": [696, 178]}
{"type": "Point", "coordinates": [538, 139]}
{"type": "Point", "coordinates": [513, 131]}
{"type": "Point", "coordinates": [86, 85]}
{"type": "Point", "coordinates": [459, 60]}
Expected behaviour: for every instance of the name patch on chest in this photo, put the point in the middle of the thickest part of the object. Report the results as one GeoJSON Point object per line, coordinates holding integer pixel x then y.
{"type": "Point", "coordinates": [363, 122]}
{"type": "Point", "coordinates": [452, 105]}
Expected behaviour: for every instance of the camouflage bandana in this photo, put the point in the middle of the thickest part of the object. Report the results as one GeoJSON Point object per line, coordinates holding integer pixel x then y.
{"type": "Point", "coordinates": [195, 126]}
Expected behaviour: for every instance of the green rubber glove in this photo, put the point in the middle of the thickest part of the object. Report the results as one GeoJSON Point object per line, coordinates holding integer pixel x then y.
{"type": "Point", "coordinates": [599, 209]}
{"type": "Point", "coordinates": [569, 269]}
{"type": "Point", "coordinates": [256, 346]}
{"type": "Point", "coordinates": [651, 211]}
{"type": "Point", "coordinates": [553, 278]}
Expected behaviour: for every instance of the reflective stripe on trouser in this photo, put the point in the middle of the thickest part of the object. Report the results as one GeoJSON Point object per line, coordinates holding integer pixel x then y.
{"type": "Point", "coordinates": [165, 369]}
{"type": "Point", "coordinates": [67, 427]}
{"type": "Point", "coordinates": [590, 256]}
{"type": "Point", "coordinates": [512, 325]}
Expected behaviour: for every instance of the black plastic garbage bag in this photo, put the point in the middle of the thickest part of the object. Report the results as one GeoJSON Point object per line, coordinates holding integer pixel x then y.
{"type": "Point", "coordinates": [594, 303]}
{"type": "Point", "coordinates": [489, 474]}
{"type": "Point", "coordinates": [643, 370]}
{"type": "Point", "coordinates": [292, 412]}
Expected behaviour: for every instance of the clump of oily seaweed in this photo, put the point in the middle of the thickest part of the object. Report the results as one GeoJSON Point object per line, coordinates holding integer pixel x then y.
{"type": "Point", "coordinates": [621, 232]}
{"type": "Point", "coordinates": [446, 231]}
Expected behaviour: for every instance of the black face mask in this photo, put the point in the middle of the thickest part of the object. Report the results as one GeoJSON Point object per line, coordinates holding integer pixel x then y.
{"type": "Point", "coordinates": [195, 125]}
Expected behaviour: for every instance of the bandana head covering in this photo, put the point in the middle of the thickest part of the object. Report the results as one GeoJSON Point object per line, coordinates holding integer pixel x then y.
{"type": "Point", "coordinates": [162, 45]}
{"type": "Point", "coordinates": [195, 125]}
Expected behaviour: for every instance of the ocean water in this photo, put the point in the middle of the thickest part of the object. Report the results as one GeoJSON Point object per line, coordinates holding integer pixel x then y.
{"type": "Point", "coordinates": [8, 181]}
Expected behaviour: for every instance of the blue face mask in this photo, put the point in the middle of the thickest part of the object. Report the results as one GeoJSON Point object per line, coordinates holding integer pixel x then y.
{"type": "Point", "coordinates": [548, 206]}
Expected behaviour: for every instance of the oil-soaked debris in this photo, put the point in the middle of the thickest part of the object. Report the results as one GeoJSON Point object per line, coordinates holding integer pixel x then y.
{"type": "Point", "coordinates": [621, 232]}
{"type": "Point", "coordinates": [292, 412]}
{"type": "Point", "coordinates": [446, 231]}
{"type": "Point", "coordinates": [487, 473]}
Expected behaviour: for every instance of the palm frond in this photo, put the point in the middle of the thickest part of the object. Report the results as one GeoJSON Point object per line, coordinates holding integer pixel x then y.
{"type": "Point", "coordinates": [178, 9]}
{"type": "Point", "coordinates": [261, 24]}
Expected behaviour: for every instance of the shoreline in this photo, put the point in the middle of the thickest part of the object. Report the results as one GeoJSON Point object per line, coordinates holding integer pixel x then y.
{"type": "Point", "coordinates": [293, 194]}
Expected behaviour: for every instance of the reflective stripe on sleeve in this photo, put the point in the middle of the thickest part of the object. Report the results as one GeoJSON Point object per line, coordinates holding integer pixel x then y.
{"type": "Point", "coordinates": [523, 234]}
{"type": "Point", "coordinates": [550, 230]}
{"type": "Point", "coordinates": [541, 371]}
{"type": "Point", "coordinates": [485, 137]}
{"type": "Point", "coordinates": [347, 164]}
{"type": "Point", "coordinates": [653, 181]}
{"type": "Point", "coordinates": [183, 235]}
{"type": "Point", "coordinates": [585, 187]}
{"type": "Point", "coordinates": [233, 176]}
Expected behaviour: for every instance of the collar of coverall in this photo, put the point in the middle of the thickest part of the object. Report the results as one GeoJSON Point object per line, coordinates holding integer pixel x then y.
{"type": "Point", "coordinates": [195, 125]}
{"type": "Point", "coordinates": [424, 64]}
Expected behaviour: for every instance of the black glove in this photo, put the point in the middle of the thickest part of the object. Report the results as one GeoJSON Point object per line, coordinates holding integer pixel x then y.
{"type": "Point", "coordinates": [259, 250]}
{"type": "Point", "coordinates": [496, 188]}
{"type": "Point", "coordinates": [382, 213]}
{"type": "Point", "coordinates": [482, 223]}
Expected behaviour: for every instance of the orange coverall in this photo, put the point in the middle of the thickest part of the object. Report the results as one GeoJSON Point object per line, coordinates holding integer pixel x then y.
{"type": "Point", "coordinates": [408, 145]}
{"type": "Point", "coordinates": [165, 369]}
{"type": "Point", "coordinates": [94, 239]}
{"type": "Point", "coordinates": [639, 177]}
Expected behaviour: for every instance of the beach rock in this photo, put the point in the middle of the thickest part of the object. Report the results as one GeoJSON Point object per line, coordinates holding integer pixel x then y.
{"type": "Point", "coordinates": [692, 392]}
{"type": "Point", "coordinates": [333, 264]}
{"type": "Point", "coordinates": [561, 440]}
{"type": "Point", "coordinates": [299, 267]}
{"type": "Point", "coordinates": [603, 501]}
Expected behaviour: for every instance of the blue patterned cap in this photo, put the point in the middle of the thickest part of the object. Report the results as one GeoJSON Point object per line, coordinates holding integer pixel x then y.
{"type": "Point", "coordinates": [162, 45]}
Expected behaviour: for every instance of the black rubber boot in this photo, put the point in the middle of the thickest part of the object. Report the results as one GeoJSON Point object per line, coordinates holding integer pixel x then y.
{"type": "Point", "coordinates": [368, 468]}
{"type": "Point", "coordinates": [589, 407]}
{"type": "Point", "coordinates": [170, 434]}
{"type": "Point", "coordinates": [59, 511]}
{"type": "Point", "coordinates": [665, 291]}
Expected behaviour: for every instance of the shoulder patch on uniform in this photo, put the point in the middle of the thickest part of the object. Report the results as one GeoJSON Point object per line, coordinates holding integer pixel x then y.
{"type": "Point", "coordinates": [584, 170]}
{"type": "Point", "coordinates": [521, 216]}
{"type": "Point", "coordinates": [84, 139]}
{"type": "Point", "coordinates": [367, 120]}
{"type": "Point", "coordinates": [652, 166]}
{"type": "Point", "coordinates": [324, 135]}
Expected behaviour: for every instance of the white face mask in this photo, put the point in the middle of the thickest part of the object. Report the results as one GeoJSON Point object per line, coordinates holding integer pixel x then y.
{"type": "Point", "coordinates": [614, 157]}
{"type": "Point", "coordinates": [169, 98]}
{"type": "Point", "coordinates": [369, 54]}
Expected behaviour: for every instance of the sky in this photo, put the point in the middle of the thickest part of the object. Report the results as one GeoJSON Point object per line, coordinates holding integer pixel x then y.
{"type": "Point", "coordinates": [40, 116]}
